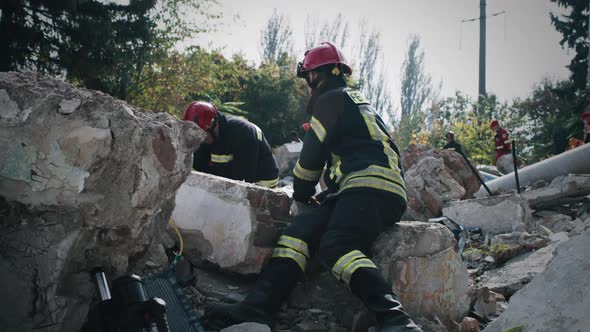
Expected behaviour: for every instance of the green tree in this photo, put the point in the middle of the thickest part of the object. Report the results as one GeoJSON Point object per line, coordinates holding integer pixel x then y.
{"type": "Point", "coordinates": [553, 117]}
{"type": "Point", "coordinates": [180, 78]}
{"type": "Point", "coordinates": [574, 27]}
{"type": "Point", "coordinates": [275, 99]}
{"type": "Point", "coordinates": [416, 88]}
{"type": "Point", "coordinates": [101, 46]}
{"type": "Point", "coordinates": [276, 38]}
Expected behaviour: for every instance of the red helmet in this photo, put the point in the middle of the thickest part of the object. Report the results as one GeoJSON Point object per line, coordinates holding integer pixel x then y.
{"type": "Point", "coordinates": [201, 113]}
{"type": "Point", "coordinates": [324, 54]}
{"type": "Point", "coordinates": [494, 123]}
{"type": "Point", "coordinates": [585, 116]}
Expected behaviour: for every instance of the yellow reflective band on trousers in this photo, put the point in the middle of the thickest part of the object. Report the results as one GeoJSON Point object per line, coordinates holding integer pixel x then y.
{"type": "Point", "coordinates": [294, 243]}
{"type": "Point", "coordinates": [306, 174]}
{"type": "Point", "coordinates": [318, 129]}
{"type": "Point", "coordinates": [349, 270]}
{"type": "Point", "coordinates": [292, 254]}
{"type": "Point", "coordinates": [222, 158]}
{"type": "Point", "coordinates": [268, 183]}
{"type": "Point", "coordinates": [344, 261]}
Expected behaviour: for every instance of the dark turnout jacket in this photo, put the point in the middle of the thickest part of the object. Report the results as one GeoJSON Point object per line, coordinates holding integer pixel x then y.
{"type": "Point", "coordinates": [351, 139]}
{"type": "Point", "coordinates": [240, 152]}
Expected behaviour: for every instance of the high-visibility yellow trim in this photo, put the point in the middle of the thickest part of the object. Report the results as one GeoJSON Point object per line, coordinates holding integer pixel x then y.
{"type": "Point", "coordinates": [376, 133]}
{"type": "Point", "coordinates": [357, 97]}
{"type": "Point", "coordinates": [306, 174]}
{"type": "Point", "coordinates": [335, 172]}
{"type": "Point", "coordinates": [268, 183]}
{"type": "Point", "coordinates": [258, 133]}
{"type": "Point", "coordinates": [375, 183]}
{"type": "Point", "coordinates": [344, 261]}
{"type": "Point", "coordinates": [298, 257]}
{"type": "Point", "coordinates": [350, 269]}
{"type": "Point", "coordinates": [294, 243]}
{"type": "Point", "coordinates": [375, 170]}
{"type": "Point", "coordinates": [221, 158]}
{"type": "Point", "coordinates": [318, 129]}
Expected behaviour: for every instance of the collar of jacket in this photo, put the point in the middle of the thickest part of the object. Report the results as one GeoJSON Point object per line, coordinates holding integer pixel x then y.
{"type": "Point", "coordinates": [331, 84]}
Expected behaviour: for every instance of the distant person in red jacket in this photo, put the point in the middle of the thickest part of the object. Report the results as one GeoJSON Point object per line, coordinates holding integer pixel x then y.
{"type": "Point", "coordinates": [504, 161]}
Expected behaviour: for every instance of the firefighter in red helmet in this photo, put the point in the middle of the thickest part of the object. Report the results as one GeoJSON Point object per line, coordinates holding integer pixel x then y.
{"type": "Point", "coordinates": [504, 161]}
{"type": "Point", "coordinates": [586, 119]}
{"type": "Point", "coordinates": [366, 193]}
{"type": "Point", "coordinates": [234, 148]}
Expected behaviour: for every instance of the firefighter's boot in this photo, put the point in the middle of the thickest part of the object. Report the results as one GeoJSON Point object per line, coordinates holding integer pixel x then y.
{"type": "Point", "coordinates": [272, 287]}
{"type": "Point", "coordinates": [376, 294]}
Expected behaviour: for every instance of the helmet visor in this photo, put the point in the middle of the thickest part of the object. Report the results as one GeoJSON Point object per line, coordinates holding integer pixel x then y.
{"type": "Point", "coordinates": [300, 71]}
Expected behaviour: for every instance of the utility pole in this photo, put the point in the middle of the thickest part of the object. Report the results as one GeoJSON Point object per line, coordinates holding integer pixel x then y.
{"type": "Point", "coordinates": [482, 48]}
{"type": "Point", "coordinates": [588, 60]}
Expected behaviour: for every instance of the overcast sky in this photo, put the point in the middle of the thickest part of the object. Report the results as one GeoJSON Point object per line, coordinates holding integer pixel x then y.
{"type": "Point", "coordinates": [523, 47]}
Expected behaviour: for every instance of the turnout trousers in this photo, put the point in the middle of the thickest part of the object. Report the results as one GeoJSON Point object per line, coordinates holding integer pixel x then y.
{"type": "Point", "coordinates": [340, 233]}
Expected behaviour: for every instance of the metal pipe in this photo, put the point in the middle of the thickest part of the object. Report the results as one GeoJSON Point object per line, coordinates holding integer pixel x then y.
{"type": "Point", "coordinates": [575, 161]}
{"type": "Point", "coordinates": [475, 172]}
{"type": "Point", "coordinates": [515, 163]}
{"type": "Point", "coordinates": [102, 285]}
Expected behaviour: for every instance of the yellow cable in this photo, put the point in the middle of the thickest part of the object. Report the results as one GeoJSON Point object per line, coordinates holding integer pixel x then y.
{"type": "Point", "coordinates": [173, 224]}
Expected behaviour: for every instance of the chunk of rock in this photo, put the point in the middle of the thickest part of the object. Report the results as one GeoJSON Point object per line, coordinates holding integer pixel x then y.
{"type": "Point", "coordinates": [519, 271]}
{"type": "Point", "coordinates": [232, 224]}
{"type": "Point", "coordinates": [496, 215]}
{"type": "Point", "coordinates": [460, 170]}
{"type": "Point", "coordinates": [79, 190]}
{"type": "Point", "coordinates": [429, 184]}
{"type": "Point", "coordinates": [506, 246]}
{"type": "Point", "coordinates": [469, 325]}
{"type": "Point", "coordinates": [247, 327]}
{"type": "Point", "coordinates": [286, 156]}
{"type": "Point", "coordinates": [419, 260]}
{"type": "Point", "coordinates": [556, 300]}
{"type": "Point", "coordinates": [557, 223]}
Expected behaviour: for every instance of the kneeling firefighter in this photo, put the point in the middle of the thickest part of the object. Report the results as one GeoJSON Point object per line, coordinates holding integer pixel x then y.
{"type": "Point", "coordinates": [365, 195]}
{"type": "Point", "coordinates": [234, 148]}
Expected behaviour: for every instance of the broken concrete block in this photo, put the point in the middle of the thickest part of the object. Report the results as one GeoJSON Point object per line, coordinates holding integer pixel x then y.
{"type": "Point", "coordinates": [79, 190]}
{"type": "Point", "coordinates": [286, 156]}
{"type": "Point", "coordinates": [519, 271]}
{"type": "Point", "coordinates": [496, 215]}
{"type": "Point", "coordinates": [560, 188]}
{"type": "Point", "coordinates": [232, 224]}
{"type": "Point", "coordinates": [556, 300]}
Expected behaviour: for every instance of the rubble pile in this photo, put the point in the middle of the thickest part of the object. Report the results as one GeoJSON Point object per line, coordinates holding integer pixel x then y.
{"type": "Point", "coordinates": [84, 179]}
{"type": "Point", "coordinates": [513, 240]}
